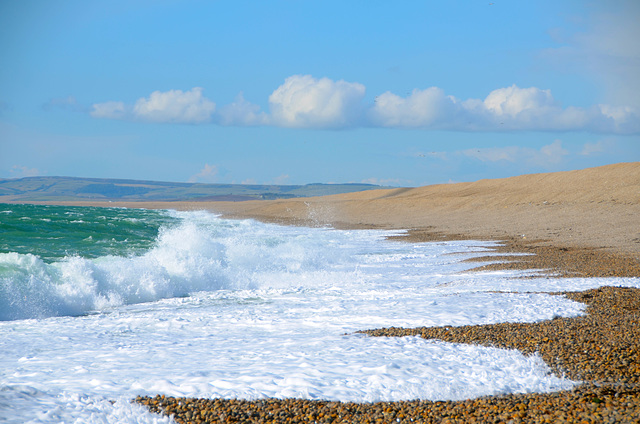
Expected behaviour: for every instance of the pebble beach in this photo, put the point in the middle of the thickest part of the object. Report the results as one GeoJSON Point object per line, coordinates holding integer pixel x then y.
{"type": "Point", "coordinates": [571, 224]}
{"type": "Point", "coordinates": [601, 349]}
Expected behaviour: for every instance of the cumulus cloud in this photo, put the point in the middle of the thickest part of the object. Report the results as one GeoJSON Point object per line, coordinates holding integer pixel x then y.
{"type": "Point", "coordinates": [173, 106]}
{"type": "Point", "coordinates": [513, 101]}
{"type": "Point", "coordinates": [623, 119]}
{"type": "Point", "coordinates": [207, 174]}
{"type": "Point", "coordinates": [241, 113]}
{"type": "Point", "coordinates": [176, 106]}
{"type": "Point", "coordinates": [504, 109]}
{"type": "Point", "coordinates": [304, 101]}
{"type": "Point", "coordinates": [281, 179]}
{"type": "Point", "coordinates": [109, 110]}
{"type": "Point", "coordinates": [525, 108]}
{"type": "Point", "coordinates": [430, 107]}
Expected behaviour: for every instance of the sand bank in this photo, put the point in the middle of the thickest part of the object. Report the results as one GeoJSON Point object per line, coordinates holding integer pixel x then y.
{"type": "Point", "coordinates": [597, 207]}
{"type": "Point", "coordinates": [584, 222]}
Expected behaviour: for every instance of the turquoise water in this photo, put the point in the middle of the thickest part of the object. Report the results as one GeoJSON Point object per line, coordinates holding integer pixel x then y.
{"type": "Point", "coordinates": [98, 306]}
{"type": "Point", "coordinates": [56, 232]}
{"type": "Point", "coordinates": [60, 260]}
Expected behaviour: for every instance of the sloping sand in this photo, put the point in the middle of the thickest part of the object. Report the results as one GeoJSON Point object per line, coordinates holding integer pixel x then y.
{"type": "Point", "coordinates": [590, 217]}
{"type": "Point", "coordinates": [595, 207]}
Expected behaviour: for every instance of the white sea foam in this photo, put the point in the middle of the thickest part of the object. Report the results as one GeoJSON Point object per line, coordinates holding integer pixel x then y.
{"type": "Point", "coordinates": [248, 310]}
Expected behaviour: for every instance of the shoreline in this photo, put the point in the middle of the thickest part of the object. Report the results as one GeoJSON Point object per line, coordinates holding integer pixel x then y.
{"type": "Point", "coordinates": [601, 348]}
{"type": "Point", "coordinates": [551, 256]}
{"type": "Point", "coordinates": [569, 238]}
{"type": "Point", "coordinates": [577, 224]}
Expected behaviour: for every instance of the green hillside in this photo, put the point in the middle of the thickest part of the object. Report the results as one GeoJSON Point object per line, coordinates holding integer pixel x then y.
{"type": "Point", "coordinates": [70, 188]}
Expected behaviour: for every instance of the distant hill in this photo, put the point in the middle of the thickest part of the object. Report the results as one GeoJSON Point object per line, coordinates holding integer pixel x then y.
{"type": "Point", "coordinates": [71, 188]}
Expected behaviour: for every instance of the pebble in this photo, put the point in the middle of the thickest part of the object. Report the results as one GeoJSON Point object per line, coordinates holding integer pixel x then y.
{"type": "Point", "coordinates": [586, 404]}
{"type": "Point", "coordinates": [602, 349]}
{"type": "Point", "coordinates": [564, 261]}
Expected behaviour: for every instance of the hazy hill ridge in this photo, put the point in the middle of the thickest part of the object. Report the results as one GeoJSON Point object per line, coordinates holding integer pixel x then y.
{"type": "Point", "coordinates": [72, 188]}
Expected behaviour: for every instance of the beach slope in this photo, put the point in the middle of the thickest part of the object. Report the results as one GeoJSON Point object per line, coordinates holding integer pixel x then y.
{"type": "Point", "coordinates": [595, 207]}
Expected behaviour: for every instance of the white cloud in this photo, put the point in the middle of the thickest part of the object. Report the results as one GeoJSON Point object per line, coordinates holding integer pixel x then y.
{"type": "Point", "coordinates": [176, 106]}
{"type": "Point", "coordinates": [173, 106]}
{"type": "Point", "coordinates": [109, 110]}
{"type": "Point", "coordinates": [18, 171]}
{"type": "Point", "coordinates": [513, 101]}
{"type": "Point", "coordinates": [624, 119]}
{"type": "Point", "coordinates": [552, 153]}
{"type": "Point", "coordinates": [504, 109]}
{"type": "Point", "coordinates": [422, 108]}
{"type": "Point", "coordinates": [241, 113]}
{"type": "Point", "coordinates": [207, 174]}
{"type": "Point", "coordinates": [281, 179]}
{"type": "Point", "coordinates": [304, 101]}
{"type": "Point", "coordinates": [601, 147]}
{"type": "Point", "coordinates": [546, 157]}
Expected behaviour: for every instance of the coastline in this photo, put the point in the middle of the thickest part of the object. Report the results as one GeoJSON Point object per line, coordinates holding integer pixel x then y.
{"type": "Point", "coordinates": [577, 224]}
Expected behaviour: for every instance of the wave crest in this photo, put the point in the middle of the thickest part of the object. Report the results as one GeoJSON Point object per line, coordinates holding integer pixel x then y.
{"type": "Point", "coordinates": [202, 253]}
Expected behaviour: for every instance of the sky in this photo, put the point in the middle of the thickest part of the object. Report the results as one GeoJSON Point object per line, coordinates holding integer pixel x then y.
{"type": "Point", "coordinates": [293, 92]}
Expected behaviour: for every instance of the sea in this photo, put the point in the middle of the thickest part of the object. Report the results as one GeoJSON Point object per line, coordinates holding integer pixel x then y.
{"type": "Point", "coordinates": [100, 305]}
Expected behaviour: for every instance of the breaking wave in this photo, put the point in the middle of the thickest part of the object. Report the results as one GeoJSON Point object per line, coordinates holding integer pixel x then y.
{"type": "Point", "coordinates": [201, 253]}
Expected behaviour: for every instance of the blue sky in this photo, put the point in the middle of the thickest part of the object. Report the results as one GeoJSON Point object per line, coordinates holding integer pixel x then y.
{"type": "Point", "coordinates": [293, 92]}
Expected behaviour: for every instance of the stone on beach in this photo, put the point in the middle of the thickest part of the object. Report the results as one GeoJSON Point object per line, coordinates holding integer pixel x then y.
{"type": "Point", "coordinates": [583, 223]}
{"type": "Point", "coordinates": [601, 348]}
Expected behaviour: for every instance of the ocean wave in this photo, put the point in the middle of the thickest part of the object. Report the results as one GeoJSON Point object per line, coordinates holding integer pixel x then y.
{"type": "Point", "coordinates": [202, 253]}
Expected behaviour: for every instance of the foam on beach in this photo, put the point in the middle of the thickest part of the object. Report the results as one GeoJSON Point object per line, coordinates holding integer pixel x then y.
{"type": "Point", "coordinates": [241, 309]}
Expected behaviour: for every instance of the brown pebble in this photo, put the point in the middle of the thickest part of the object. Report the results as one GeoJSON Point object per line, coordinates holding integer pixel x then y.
{"type": "Point", "coordinates": [601, 348]}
